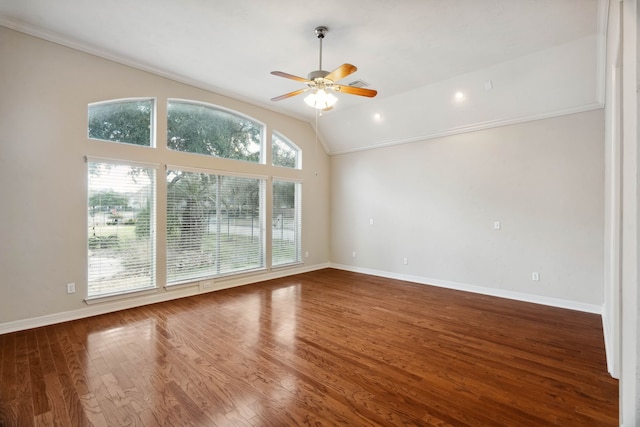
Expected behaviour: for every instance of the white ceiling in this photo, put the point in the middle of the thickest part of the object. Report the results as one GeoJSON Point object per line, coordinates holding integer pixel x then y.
{"type": "Point", "coordinates": [401, 48]}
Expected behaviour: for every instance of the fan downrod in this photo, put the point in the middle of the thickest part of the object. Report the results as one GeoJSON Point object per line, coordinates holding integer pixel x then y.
{"type": "Point", "coordinates": [320, 33]}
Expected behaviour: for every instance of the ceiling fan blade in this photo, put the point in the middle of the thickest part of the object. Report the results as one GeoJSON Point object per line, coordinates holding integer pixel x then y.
{"type": "Point", "coordinates": [370, 93]}
{"type": "Point", "coordinates": [289, 76]}
{"type": "Point", "coordinates": [290, 94]}
{"type": "Point", "coordinates": [341, 72]}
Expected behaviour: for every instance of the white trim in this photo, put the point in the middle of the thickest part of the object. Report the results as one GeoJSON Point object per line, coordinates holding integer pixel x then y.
{"type": "Point", "coordinates": [195, 281]}
{"type": "Point", "coordinates": [613, 207]}
{"type": "Point", "coordinates": [123, 304]}
{"type": "Point", "coordinates": [216, 172]}
{"type": "Point", "coordinates": [630, 224]}
{"type": "Point", "coordinates": [294, 264]}
{"type": "Point", "coordinates": [221, 108]}
{"type": "Point", "coordinates": [122, 100]}
{"type": "Point", "coordinates": [98, 299]}
{"type": "Point", "coordinates": [500, 293]}
{"type": "Point", "coordinates": [121, 162]}
{"type": "Point", "coordinates": [281, 178]}
{"type": "Point", "coordinates": [153, 140]}
{"type": "Point", "coordinates": [288, 141]}
{"type": "Point", "coordinates": [57, 38]}
{"type": "Point", "coordinates": [476, 127]}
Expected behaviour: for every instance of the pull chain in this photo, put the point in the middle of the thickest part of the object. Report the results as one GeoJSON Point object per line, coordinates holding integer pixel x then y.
{"type": "Point", "coordinates": [316, 148]}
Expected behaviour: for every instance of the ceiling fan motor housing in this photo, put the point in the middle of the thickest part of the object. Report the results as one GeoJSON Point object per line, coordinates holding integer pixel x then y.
{"type": "Point", "coordinates": [317, 74]}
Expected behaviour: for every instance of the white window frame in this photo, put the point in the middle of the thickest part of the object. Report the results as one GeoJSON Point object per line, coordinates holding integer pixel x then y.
{"type": "Point", "coordinates": [152, 124]}
{"type": "Point", "coordinates": [297, 221]}
{"type": "Point", "coordinates": [262, 182]}
{"type": "Point", "coordinates": [152, 229]}
{"type": "Point", "coordinates": [287, 141]}
{"type": "Point", "coordinates": [263, 130]}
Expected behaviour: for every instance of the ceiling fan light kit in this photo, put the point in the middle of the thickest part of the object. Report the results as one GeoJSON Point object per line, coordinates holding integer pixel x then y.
{"type": "Point", "coordinates": [321, 82]}
{"type": "Point", "coordinates": [320, 99]}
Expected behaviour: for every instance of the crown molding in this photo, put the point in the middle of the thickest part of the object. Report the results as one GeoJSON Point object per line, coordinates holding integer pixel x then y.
{"type": "Point", "coordinates": [476, 127]}
{"type": "Point", "coordinates": [71, 43]}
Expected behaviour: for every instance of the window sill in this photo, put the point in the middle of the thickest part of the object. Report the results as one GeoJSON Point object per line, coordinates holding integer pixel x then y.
{"type": "Point", "coordinates": [222, 278]}
{"type": "Point", "coordinates": [285, 266]}
{"type": "Point", "coordinates": [119, 296]}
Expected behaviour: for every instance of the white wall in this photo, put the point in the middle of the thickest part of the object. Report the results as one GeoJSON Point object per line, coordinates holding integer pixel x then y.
{"type": "Point", "coordinates": [519, 90]}
{"type": "Point", "coordinates": [625, 15]}
{"type": "Point", "coordinates": [435, 203]}
{"type": "Point", "coordinates": [612, 193]}
{"type": "Point", "coordinates": [43, 140]}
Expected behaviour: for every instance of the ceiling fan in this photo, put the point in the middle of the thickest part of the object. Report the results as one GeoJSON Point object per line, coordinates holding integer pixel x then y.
{"type": "Point", "coordinates": [321, 82]}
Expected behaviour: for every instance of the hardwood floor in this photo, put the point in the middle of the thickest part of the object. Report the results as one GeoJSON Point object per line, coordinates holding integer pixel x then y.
{"type": "Point", "coordinates": [322, 348]}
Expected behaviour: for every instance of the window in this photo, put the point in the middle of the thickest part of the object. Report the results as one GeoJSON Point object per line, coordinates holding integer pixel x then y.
{"type": "Point", "coordinates": [284, 152]}
{"type": "Point", "coordinates": [126, 121]}
{"type": "Point", "coordinates": [204, 129]}
{"type": "Point", "coordinates": [214, 224]}
{"type": "Point", "coordinates": [121, 219]}
{"type": "Point", "coordinates": [286, 234]}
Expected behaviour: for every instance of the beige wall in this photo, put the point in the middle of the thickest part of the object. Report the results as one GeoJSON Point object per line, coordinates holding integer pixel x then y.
{"type": "Point", "coordinates": [45, 89]}
{"type": "Point", "coordinates": [435, 203]}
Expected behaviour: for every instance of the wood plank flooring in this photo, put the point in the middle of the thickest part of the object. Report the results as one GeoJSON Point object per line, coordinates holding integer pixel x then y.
{"type": "Point", "coordinates": [318, 349]}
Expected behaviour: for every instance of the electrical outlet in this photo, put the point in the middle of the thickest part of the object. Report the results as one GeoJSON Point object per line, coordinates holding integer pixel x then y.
{"type": "Point", "coordinates": [497, 225]}
{"type": "Point", "coordinates": [405, 261]}
{"type": "Point", "coordinates": [353, 254]}
{"type": "Point", "coordinates": [535, 276]}
{"type": "Point", "coordinates": [306, 254]}
{"type": "Point", "coordinates": [371, 221]}
{"type": "Point", "coordinates": [206, 284]}
{"type": "Point", "coordinates": [71, 288]}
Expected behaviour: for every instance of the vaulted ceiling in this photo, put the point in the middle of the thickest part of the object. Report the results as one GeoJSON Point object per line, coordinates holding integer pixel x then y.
{"type": "Point", "coordinates": [511, 60]}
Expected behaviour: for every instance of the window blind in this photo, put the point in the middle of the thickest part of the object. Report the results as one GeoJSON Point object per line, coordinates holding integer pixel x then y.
{"type": "Point", "coordinates": [121, 228]}
{"type": "Point", "coordinates": [214, 225]}
{"type": "Point", "coordinates": [287, 224]}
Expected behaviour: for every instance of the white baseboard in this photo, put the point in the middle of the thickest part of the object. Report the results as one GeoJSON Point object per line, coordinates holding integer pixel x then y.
{"type": "Point", "coordinates": [500, 293]}
{"type": "Point", "coordinates": [98, 308]}
{"type": "Point", "coordinates": [186, 291]}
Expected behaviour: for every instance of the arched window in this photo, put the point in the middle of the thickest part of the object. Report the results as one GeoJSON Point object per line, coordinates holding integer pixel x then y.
{"type": "Point", "coordinates": [204, 129]}
{"type": "Point", "coordinates": [129, 121]}
{"type": "Point", "coordinates": [215, 221]}
{"type": "Point", "coordinates": [284, 152]}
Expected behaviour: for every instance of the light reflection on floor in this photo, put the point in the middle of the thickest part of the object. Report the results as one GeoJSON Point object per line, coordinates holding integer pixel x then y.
{"type": "Point", "coordinates": [156, 348]}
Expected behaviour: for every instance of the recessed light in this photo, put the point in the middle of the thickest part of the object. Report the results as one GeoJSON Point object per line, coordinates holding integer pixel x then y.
{"type": "Point", "coordinates": [377, 116]}
{"type": "Point", "coordinates": [459, 96]}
